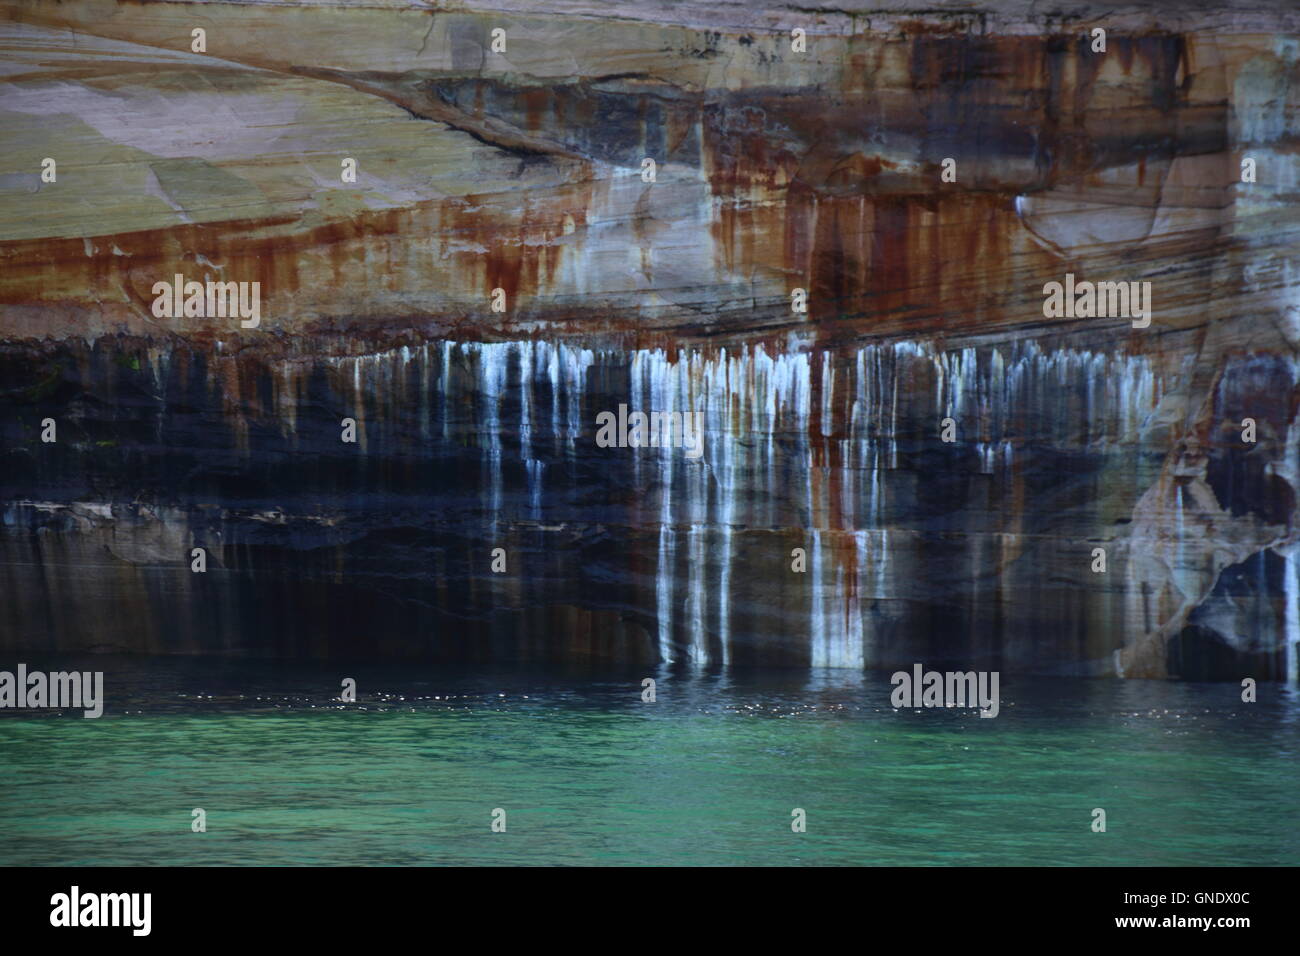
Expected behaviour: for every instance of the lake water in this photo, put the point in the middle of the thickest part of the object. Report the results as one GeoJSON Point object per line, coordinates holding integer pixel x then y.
{"type": "Point", "coordinates": [589, 774]}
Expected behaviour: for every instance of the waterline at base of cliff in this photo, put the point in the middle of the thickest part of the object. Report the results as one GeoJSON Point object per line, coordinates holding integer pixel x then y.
{"type": "Point", "coordinates": [589, 773]}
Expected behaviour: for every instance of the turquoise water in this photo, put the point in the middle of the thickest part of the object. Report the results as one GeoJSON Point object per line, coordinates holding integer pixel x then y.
{"type": "Point", "coordinates": [589, 774]}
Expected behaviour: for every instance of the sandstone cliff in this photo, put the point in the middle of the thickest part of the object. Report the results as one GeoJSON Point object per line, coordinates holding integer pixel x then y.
{"type": "Point", "coordinates": [786, 167]}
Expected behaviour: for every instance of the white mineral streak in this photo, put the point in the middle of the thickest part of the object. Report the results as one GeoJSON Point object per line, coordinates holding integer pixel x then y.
{"type": "Point", "coordinates": [828, 453]}
{"type": "Point", "coordinates": [764, 453]}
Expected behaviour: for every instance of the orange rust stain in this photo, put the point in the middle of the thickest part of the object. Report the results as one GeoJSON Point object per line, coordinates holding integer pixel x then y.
{"type": "Point", "coordinates": [798, 193]}
{"type": "Point", "coordinates": [536, 101]}
{"type": "Point", "coordinates": [397, 250]}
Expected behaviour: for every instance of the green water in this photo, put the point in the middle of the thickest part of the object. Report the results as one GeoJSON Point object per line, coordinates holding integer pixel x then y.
{"type": "Point", "coordinates": [589, 774]}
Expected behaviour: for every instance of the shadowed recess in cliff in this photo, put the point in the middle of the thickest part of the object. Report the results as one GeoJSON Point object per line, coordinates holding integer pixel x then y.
{"type": "Point", "coordinates": [976, 548]}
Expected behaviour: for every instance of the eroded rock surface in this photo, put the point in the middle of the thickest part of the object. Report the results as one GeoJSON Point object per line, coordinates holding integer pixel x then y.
{"type": "Point", "coordinates": [777, 171]}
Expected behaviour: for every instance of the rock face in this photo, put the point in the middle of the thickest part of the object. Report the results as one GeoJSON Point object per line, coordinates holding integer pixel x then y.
{"type": "Point", "coordinates": [928, 462]}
